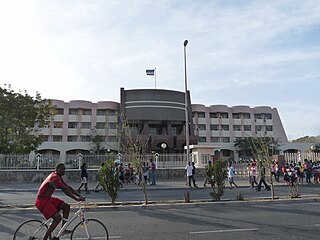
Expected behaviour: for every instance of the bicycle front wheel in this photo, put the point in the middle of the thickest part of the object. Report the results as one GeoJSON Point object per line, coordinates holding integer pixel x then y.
{"type": "Point", "coordinates": [30, 229]}
{"type": "Point", "coordinates": [95, 228]}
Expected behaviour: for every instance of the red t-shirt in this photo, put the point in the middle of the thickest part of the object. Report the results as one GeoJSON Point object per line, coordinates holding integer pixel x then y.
{"type": "Point", "coordinates": [49, 185]}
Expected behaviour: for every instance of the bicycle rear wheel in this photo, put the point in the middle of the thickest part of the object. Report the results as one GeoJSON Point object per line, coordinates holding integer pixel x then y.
{"type": "Point", "coordinates": [30, 229]}
{"type": "Point", "coordinates": [96, 230]}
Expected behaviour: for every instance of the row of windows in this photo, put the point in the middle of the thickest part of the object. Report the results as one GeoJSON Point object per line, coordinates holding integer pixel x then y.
{"type": "Point", "coordinates": [85, 125]}
{"type": "Point", "coordinates": [234, 115]}
{"type": "Point", "coordinates": [153, 128]}
{"type": "Point", "coordinates": [216, 127]}
{"type": "Point", "coordinates": [77, 111]}
{"type": "Point", "coordinates": [218, 139]}
{"type": "Point", "coordinates": [215, 139]}
{"type": "Point", "coordinates": [86, 138]}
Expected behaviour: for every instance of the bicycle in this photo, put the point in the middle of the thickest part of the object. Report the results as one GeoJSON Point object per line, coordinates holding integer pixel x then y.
{"type": "Point", "coordinates": [86, 228]}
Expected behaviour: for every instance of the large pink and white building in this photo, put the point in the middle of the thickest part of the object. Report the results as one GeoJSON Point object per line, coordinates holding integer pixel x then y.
{"type": "Point", "coordinates": [161, 117]}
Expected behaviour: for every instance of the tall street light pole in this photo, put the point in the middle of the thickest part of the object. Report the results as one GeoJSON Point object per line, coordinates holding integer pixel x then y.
{"type": "Point", "coordinates": [186, 98]}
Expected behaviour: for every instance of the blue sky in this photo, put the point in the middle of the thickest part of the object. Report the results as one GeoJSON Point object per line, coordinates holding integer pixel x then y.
{"type": "Point", "coordinates": [255, 53]}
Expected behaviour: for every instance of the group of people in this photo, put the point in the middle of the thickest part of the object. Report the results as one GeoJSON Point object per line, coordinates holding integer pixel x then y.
{"type": "Point", "coordinates": [253, 171]}
{"type": "Point", "coordinates": [295, 173]}
{"type": "Point", "coordinates": [144, 172]}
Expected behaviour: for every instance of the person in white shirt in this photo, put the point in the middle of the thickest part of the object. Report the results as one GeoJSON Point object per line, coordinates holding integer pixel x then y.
{"type": "Point", "coordinates": [231, 173]}
{"type": "Point", "coordinates": [189, 173]}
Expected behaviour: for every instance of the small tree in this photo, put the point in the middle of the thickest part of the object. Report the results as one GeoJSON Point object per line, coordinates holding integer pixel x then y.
{"type": "Point", "coordinates": [133, 143]}
{"type": "Point", "coordinates": [97, 144]}
{"type": "Point", "coordinates": [251, 146]}
{"type": "Point", "coordinates": [109, 179]}
{"type": "Point", "coordinates": [216, 174]}
{"type": "Point", "coordinates": [263, 150]}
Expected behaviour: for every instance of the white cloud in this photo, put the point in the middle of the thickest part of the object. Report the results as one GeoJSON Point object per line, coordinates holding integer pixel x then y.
{"type": "Point", "coordinates": [238, 51]}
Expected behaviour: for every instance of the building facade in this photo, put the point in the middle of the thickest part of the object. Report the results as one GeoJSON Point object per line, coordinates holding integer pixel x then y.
{"type": "Point", "coordinates": [159, 116]}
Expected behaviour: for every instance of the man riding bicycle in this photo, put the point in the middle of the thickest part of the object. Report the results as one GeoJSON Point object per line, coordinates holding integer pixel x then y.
{"type": "Point", "coordinates": [49, 206]}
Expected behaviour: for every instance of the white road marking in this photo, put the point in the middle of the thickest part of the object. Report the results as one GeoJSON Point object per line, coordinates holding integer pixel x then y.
{"type": "Point", "coordinates": [226, 230]}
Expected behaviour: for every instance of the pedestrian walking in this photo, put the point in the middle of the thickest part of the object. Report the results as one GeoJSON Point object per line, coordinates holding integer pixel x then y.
{"type": "Point", "coordinates": [152, 171]}
{"type": "Point", "coordinates": [188, 169]}
{"type": "Point", "coordinates": [84, 178]}
{"type": "Point", "coordinates": [253, 174]}
{"type": "Point", "coordinates": [262, 174]}
{"type": "Point", "coordinates": [231, 174]}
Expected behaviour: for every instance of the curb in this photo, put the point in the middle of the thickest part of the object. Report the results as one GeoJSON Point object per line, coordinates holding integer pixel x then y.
{"type": "Point", "coordinates": [170, 203]}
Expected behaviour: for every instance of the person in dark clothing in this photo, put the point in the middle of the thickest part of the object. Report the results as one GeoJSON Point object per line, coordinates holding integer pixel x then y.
{"type": "Point", "coordinates": [84, 178]}
{"type": "Point", "coordinates": [193, 175]}
{"type": "Point", "coordinates": [262, 179]}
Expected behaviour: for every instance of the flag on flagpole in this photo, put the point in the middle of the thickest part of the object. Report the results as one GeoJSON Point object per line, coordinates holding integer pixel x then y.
{"type": "Point", "coordinates": [150, 72]}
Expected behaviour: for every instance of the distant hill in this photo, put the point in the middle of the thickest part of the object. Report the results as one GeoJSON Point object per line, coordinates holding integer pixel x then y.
{"type": "Point", "coordinates": [307, 139]}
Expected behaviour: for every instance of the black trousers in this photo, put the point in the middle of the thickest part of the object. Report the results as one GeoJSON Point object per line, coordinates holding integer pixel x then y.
{"type": "Point", "coordinates": [262, 181]}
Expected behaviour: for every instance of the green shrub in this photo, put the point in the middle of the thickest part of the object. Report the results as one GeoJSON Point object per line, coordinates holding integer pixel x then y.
{"type": "Point", "coordinates": [216, 174]}
{"type": "Point", "coordinates": [109, 180]}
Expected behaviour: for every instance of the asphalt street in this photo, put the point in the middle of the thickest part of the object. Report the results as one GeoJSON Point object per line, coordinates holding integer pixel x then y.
{"type": "Point", "coordinates": [18, 194]}
{"type": "Point", "coordinates": [263, 220]}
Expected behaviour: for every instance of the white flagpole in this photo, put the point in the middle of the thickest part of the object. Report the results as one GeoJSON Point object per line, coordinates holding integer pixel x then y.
{"type": "Point", "coordinates": [155, 79]}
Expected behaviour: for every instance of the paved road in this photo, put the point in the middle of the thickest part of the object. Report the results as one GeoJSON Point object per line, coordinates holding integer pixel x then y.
{"type": "Point", "coordinates": [24, 193]}
{"type": "Point", "coordinates": [277, 220]}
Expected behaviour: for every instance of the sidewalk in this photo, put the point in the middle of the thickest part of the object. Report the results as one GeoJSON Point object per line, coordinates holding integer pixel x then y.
{"type": "Point", "coordinates": [161, 184]}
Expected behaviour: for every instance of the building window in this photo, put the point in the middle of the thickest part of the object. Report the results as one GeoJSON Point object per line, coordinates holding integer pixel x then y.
{"type": "Point", "coordinates": [268, 116]}
{"type": "Point", "coordinates": [101, 112]}
{"type": "Point", "coordinates": [225, 139]}
{"type": "Point", "coordinates": [176, 130]}
{"type": "Point", "coordinates": [246, 115]}
{"type": "Point", "coordinates": [59, 111]}
{"type": "Point", "coordinates": [152, 130]}
{"type": "Point", "coordinates": [72, 139]}
{"type": "Point", "coordinates": [85, 138]}
{"type": "Point", "coordinates": [57, 124]}
{"type": "Point", "coordinates": [87, 112]}
{"type": "Point", "coordinates": [215, 139]}
{"type": "Point", "coordinates": [44, 138]}
{"type": "Point", "coordinates": [258, 116]}
{"type": "Point", "coordinates": [225, 127]}
{"type": "Point", "coordinates": [269, 128]}
{"type": "Point", "coordinates": [73, 111]}
{"type": "Point", "coordinates": [112, 113]}
{"type": "Point", "coordinates": [86, 125]}
{"type": "Point", "coordinates": [224, 115]}
{"type": "Point", "coordinates": [236, 115]}
{"type": "Point", "coordinates": [213, 115]}
{"type": "Point", "coordinates": [57, 138]}
{"type": "Point", "coordinates": [205, 158]}
{"type": "Point", "coordinates": [236, 127]}
{"type": "Point", "coordinates": [112, 126]}
{"type": "Point", "coordinates": [214, 127]}
{"type": "Point", "coordinates": [202, 139]}
{"type": "Point", "coordinates": [73, 124]}
{"type": "Point", "coordinates": [201, 114]}
{"type": "Point", "coordinates": [247, 127]}
{"type": "Point", "coordinates": [258, 128]}
{"type": "Point", "coordinates": [100, 125]}
{"type": "Point", "coordinates": [201, 126]}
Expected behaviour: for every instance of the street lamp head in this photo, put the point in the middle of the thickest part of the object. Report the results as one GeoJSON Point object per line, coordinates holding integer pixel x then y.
{"type": "Point", "coordinates": [185, 43]}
